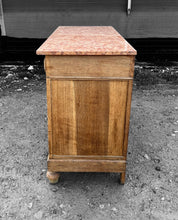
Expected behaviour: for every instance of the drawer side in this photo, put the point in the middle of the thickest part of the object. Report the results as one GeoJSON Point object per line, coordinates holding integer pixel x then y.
{"type": "Point", "coordinates": [89, 66]}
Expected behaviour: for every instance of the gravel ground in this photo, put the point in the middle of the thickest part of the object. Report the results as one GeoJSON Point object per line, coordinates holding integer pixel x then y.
{"type": "Point", "coordinates": [151, 188]}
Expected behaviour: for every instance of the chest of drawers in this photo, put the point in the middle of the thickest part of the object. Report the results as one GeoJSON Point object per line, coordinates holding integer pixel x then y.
{"type": "Point", "coordinates": [89, 75]}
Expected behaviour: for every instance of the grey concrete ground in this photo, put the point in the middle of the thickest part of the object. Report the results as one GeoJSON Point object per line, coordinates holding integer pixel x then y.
{"type": "Point", "coordinates": [151, 188]}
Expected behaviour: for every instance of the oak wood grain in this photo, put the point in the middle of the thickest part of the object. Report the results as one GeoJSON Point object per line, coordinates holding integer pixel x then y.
{"type": "Point", "coordinates": [48, 95]}
{"type": "Point", "coordinates": [84, 78]}
{"type": "Point", "coordinates": [93, 66]}
{"type": "Point", "coordinates": [90, 157]}
{"type": "Point", "coordinates": [86, 165]}
{"type": "Point", "coordinates": [122, 178]}
{"type": "Point", "coordinates": [88, 120]}
{"type": "Point", "coordinates": [63, 117]}
{"type": "Point", "coordinates": [117, 106]}
{"type": "Point", "coordinates": [127, 117]}
{"type": "Point", "coordinates": [53, 177]}
{"type": "Point", "coordinates": [92, 110]}
{"type": "Point", "coordinates": [88, 117]}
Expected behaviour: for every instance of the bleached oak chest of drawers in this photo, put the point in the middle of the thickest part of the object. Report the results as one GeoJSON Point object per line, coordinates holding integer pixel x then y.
{"type": "Point", "coordinates": [89, 74]}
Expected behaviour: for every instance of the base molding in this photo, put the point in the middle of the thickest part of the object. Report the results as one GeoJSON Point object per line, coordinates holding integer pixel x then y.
{"type": "Point", "coordinates": [86, 165]}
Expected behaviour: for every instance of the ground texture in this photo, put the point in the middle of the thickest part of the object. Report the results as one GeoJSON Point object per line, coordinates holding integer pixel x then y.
{"type": "Point", "coordinates": [151, 188]}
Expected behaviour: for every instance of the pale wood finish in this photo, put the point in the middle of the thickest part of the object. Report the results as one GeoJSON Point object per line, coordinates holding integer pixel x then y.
{"type": "Point", "coordinates": [53, 177]}
{"type": "Point", "coordinates": [92, 117]}
{"type": "Point", "coordinates": [86, 165]}
{"type": "Point", "coordinates": [122, 178]}
{"type": "Point", "coordinates": [93, 66]}
{"type": "Point", "coordinates": [63, 118]}
{"type": "Point", "coordinates": [88, 117]}
{"type": "Point", "coordinates": [90, 157]}
{"type": "Point", "coordinates": [85, 78]}
{"type": "Point", "coordinates": [89, 101]}
{"type": "Point", "coordinates": [127, 118]}
{"type": "Point", "coordinates": [48, 95]}
{"type": "Point", "coordinates": [117, 106]}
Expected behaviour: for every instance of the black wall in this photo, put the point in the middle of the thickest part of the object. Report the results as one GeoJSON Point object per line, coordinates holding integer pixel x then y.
{"type": "Point", "coordinates": [38, 18]}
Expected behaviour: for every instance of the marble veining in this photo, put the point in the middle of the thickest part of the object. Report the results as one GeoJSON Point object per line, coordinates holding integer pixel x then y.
{"type": "Point", "coordinates": [86, 40]}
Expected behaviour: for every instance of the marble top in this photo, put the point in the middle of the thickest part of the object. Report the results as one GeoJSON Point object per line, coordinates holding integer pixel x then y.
{"type": "Point", "coordinates": [86, 40]}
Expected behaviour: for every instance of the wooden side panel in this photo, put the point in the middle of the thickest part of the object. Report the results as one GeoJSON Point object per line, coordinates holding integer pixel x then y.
{"type": "Point", "coordinates": [92, 110]}
{"type": "Point", "coordinates": [48, 94]}
{"type": "Point", "coordinates": [93, 66]}
{"type": "Point", "coordinates": [88, 117]}
{"type": "Point", "coordinates": [63, 117]}
{"type": "Point", "coordinates": [117, 106]}
{"type": "Point", "coordinates": [127, 117]}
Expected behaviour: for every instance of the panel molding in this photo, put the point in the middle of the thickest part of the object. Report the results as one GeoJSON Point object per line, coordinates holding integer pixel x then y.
{"type": "Point", "coordinates": [77, 78]}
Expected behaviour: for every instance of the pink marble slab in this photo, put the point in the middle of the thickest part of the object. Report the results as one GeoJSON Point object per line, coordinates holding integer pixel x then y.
{"type": "Point", "coordinates": [86, 40]}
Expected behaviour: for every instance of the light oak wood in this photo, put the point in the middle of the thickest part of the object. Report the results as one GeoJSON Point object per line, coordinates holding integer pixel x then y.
{"type": "Point", "coordinates": [63, 118]}
{"type": "Point", "coordinates": [127, 117]}
{"type": "Point", "coordinates": [92, 117]}
{"type": "Point", "coordinates": [84, 78]}
{"type": "Point", "coordinates": [48, 95]}
{"type": "Point", "coordinates": [90, 157]}
{"type": "Point", "coordinates": [86, 165]}
{"type": "Point", "coordinates": [88, 117]}
{"type": "Point", "coordinates": [117, 106]}
{"type": "Point", "coordinates": [53, 177]}
{"type": "Point", "coordinates": [122, 178]}
{"type": "Point", "coordinates": [89, 104]}
{"type": "Point", "coordinates": [93, 66]}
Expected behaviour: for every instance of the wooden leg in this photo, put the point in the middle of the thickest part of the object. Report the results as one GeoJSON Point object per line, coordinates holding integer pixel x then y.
{"type": "Point", "coordinates": [53, 177]}
{"type": "Point", "coordinates": [122, 178]}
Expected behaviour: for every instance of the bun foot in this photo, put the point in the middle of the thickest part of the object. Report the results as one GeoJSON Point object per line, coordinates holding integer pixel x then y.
{"type": "Point", "coordinates": [122, 178]}
{"type": "Point", "coordinates": [53, 177]}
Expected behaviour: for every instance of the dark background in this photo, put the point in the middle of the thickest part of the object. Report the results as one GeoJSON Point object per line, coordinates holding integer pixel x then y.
{"type": "Point", "coordinates": [151, 27]}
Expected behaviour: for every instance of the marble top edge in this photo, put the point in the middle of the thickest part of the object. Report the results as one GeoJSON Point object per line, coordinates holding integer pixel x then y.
{"type": "Point", "coordinates": [81, 53]}
{"type": "Point", "coordinates": [86, 40]}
